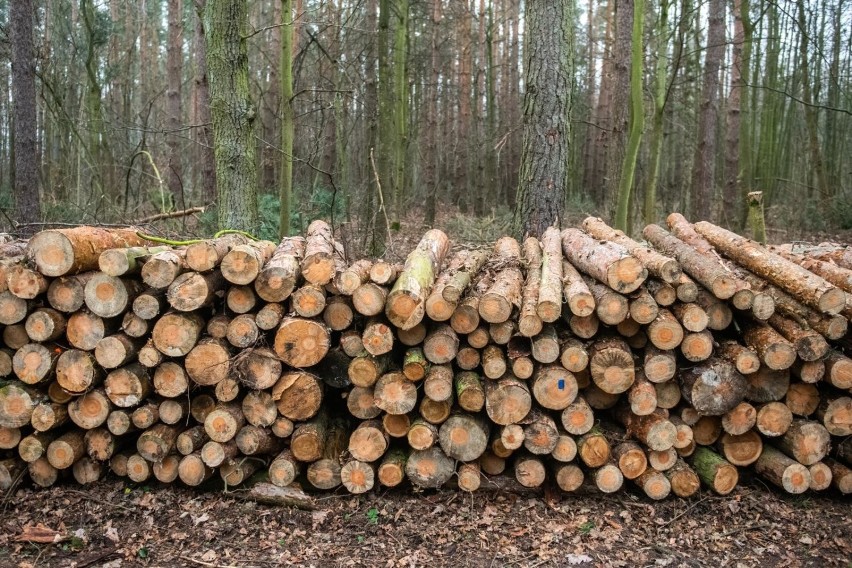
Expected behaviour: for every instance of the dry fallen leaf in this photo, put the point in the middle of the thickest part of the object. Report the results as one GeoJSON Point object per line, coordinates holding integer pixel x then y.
{"type": "Point", "coordinates": [112, 534]}
{"type": "Point", "coordinates": [317, 518]}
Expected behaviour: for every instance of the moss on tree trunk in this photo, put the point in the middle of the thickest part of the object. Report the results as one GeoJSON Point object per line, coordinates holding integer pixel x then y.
{"type": "Point", "coordinates": [233, 114]}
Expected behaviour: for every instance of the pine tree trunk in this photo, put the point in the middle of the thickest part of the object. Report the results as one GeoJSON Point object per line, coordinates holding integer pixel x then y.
{"type": "Point", "coordinates": [732, 203]}
{"type": "Point", "coordinates": [174, 54]}
{"type": "Point", "coordinates": [400, 110]}
{"type": "Point", "coordinates": [374, 239]}
{"type": "Point", "coordinates": [650, 204]}
{"type": "Point", "coordinates": [432, 156]}
{"type": "Point", "coordinates": [620, 72]}
{"type": "Point", "coordinates": [810, 110]}
{"type": "Point", "coordinates": [26, 181]}
{"type": "Point", "coordinates": [544, 176]}
{"type": "Point", "coordinates": [285, 188]}
{"type": "Point", "coordinates": [636, 120]}
{"type": "Point", "coordinates": [201, 94]}
{"type": "Point", "coordinates": [233, 114]}
{"type": "Point", "coordinates": [703, 169]}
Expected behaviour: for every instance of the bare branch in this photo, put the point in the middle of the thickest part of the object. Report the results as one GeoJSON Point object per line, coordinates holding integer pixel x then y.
{"type": "Point", "coordinates": [798, 100]}
{"type": "Point", "coordinates": [170, 215]}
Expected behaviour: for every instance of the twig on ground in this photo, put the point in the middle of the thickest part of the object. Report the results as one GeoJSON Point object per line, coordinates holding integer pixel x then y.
{"type": "Point", "coordinates": [750, 527]}
{"type": "Point", "coordinates": [88, 497]}
{"type": "Point", "coordinates": [209, 564]}
{"type": "Point", "coordinates": [688, 509]}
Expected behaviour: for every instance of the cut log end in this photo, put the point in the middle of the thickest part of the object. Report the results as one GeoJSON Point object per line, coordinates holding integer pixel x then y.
{"type": "Point", "coordinates": [626, 274]}
{"type": "Point", "coordinates": [429, 468]}
{"type": "Point", "coordinates": [821, 477]}
{"type": "Point", "coordinates": [301, 343]}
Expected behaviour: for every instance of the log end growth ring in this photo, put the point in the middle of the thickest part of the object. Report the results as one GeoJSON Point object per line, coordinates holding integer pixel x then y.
{"type": "Point", "coordinates": [302, 343]}
{"type": "Point", "coordinates": [52, 252]}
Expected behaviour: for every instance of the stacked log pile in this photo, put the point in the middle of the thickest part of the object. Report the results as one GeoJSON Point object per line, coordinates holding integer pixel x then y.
{"type": "Point", "coordinates": [585, 359]}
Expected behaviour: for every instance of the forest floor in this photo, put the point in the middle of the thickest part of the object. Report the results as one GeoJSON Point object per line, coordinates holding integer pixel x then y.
{"type": "Point", "coordinates": [113, 524]}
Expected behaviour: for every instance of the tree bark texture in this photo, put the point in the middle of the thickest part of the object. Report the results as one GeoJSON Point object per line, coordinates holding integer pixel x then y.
{"type": "Point", "coordinates": [233, 114]}
{"type": "Point", "coordinates": [26, 180]}
{"type": "Point", "coordinates": [544, 163]}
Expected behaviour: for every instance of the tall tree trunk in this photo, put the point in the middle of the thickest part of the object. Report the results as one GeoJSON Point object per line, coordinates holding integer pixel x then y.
{"type": "Point", "coordinates": [375, 245]}
{"type": "Point", "coordinates": [514, 99]}
{"type": "Point", "coordinates": [650, 205]}
{"type": "Point", "coordinates": [491, 183]}
{"type": "Point", "coordinates": [94, 111]}
{"type": "Point", "coordinates": [119, 80]}
{"type": "Point", "coordinates": [326, 79]}
{"type": "Point", "coordinates": [47, 119]}
{"type": "Point", "coordinates": [603, 112]}
{"type": "Point", "coordinates": [591, 81]}
{"type": "Point", "coordinates": [690, 92]}
{"type": "Point", "coordinates": [547, 78]}
{"type": "Point", "coordinates": [620, 97]}
{"type": "Point", "coordinates": [149, 80]}
{"type": "Point", "coordinates": [811, 118]}
{"type": "Point", "coordinates": [432, 157]}
{"type": "Point", "coordinates": [769, 102]}
{"type": "Point", "coordinates": [26, 184]}
{"type": "Point", "coordinates": [745, 173]}
{"type": "Point", "coordinates": [342, 163]}
{"type": "Point", "coordinates": [233, 114]}
{"type": "Point", "coordinates": [705, 150]}
{"type": "Point", "coordinates": [788, 158]}
{"type": "Point", "coordinates": [272, 103]}
{"type": "Point", "coordinates": [285, 189]}
{"type": "Point", "coordinates": [476, 165]}
{"type": "Point", "coordinates": [462, 159]}
{"type": "Point", "coordinates": [386, 151]}
{"type": "Point", "coordinates": [173, 98]}
{"type": "Point", "coordinates": [732, 201]}
{"type": "Point", "coordinates": [502, 98]}
{"type": "Point", "coordinates": [636, 121]}
{"type": "Point", "coordinates": [204, 133]}
{"type": "Point", "coordinates": [833, 159]}
{"type": "Point", "coordinates": [400, 72]}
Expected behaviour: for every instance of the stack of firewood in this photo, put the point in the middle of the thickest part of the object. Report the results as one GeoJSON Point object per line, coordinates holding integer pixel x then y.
{"type": "Point", "coordinates": [584, 358]}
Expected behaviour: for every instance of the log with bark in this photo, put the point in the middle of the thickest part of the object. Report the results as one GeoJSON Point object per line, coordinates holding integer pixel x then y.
{"type": "Point", "coordinates": [665, 268]}
{"type": "Point", "coordinates": [804, 285]}
{"type": "Point", "coordinates": [701, 267]}
{"type": "Point", "coordinates": [605, 261]}
{"type": "Point", "coordinates": [67, 251]}
{"type": "Point", "coordinates": [782, 471]}
{"type": "Point", "coordinates": [505, 292]}
{"type": "Point", "coordinates": [319, 263]}
{"type": "Point", "coordinates": [529, 322]}
{"type": "Point", "coordinates": [714, 471]}
{"type": "Point", "coordinates": [549, 306]}
{"type": "Point", "coordinates": [575, 291]}
{"type": "Point", "coordinates": [406, 303]}
{"type": "Point", "coordinates": [439, 308]}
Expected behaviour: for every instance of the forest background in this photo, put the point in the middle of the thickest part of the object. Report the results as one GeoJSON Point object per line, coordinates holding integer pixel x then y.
{"type": "Point", "coordinates": [382, 114]}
